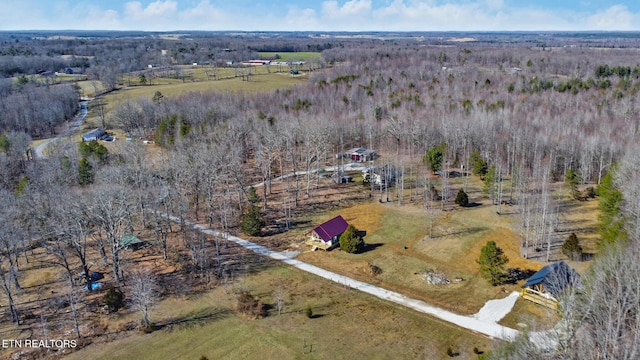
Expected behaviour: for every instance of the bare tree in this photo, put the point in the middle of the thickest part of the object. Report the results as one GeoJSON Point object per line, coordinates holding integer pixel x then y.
{"type": "Point", "coordinates": [143, 294]}
{"type": "Point", "coordinates": [112, 208]}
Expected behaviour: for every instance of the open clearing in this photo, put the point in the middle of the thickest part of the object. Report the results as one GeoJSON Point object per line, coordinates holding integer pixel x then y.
{"type": "Point", "coordinates": [345, 322]}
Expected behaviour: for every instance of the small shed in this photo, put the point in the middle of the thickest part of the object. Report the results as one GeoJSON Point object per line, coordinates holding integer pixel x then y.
{"type": "Point", "coordinates": [132, 242]}
{"type": "Point", "coordinates": [94, 135]}
{"type": "Point", "coordinates": [340, 177]}
{"type": "Point", "coordinates": [327, 235]}
{"type": "Point", "coordinates": [546, 286]}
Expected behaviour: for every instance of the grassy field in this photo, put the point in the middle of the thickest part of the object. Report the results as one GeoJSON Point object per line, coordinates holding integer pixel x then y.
{"type": "Point", "coordinates": [290, 56]}
{"type": "Point", "coordinates": [345, 323]}
{"type": "Point", "coordinates": [401, 247]}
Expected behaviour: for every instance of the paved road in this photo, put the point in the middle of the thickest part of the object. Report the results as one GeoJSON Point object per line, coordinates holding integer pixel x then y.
{"type": "Point", "coordinates": [478, 323]}
{"type": "Point", "coordinates": [39, 149]}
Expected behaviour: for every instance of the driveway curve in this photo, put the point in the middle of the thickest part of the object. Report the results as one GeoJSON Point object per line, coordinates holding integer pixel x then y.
{"type": "Point", "coordinates": [485, 322]}
{"type": "Point", "coordinates": [39, 149]}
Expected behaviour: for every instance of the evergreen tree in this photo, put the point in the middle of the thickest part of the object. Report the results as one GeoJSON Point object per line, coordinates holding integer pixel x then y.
{"type": "Point", "coordinates": [478, 164]}
{"type": "Point", "coordinates": [93, 148]}
{"type": "Point", "coordinates": [610, 219]}
{"type": "Point", "coordinates": [434, 157]}
{"type": "Point", "coordinates": [252, 195]}
{"type": "Point", "coordinates": [252, 221]}
{"type": "Point", "coordinates": [572, 181]}
{"type": "Point", "coordinates": [351, 241]}
{"type": "Point", "coordinates": [492, 261]}
{"type": "Point", "coordinates": [462, 198]}
{"type": "Point", "coordinates": [490, 182]}
{"type": "Point", "coordinates": [85, 172]}
{"type": "Point", "coordinates": [571, 248]}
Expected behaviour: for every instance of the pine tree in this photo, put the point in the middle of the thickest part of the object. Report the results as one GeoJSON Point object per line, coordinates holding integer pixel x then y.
{"type": "Point", "coordinates": [479, 165]}
{"type": "Point", "coordinates": [571, 247]}
{"type": "Point", "coordinates": [252, 221]}
{"type": "Point", "coordinates": [85, 172]}
{"type": "Point", "coordinates": [351, 241]}
{"type": "Point", "coordinates": [572, 181]}
{"type": "Point", "coordinates": [492, 261]}
{"type": "Point", "coordinates": [434, 157]}
{"type": "Point", "coordinates": [462, 198]}
{"type": "Point", "coordinates": [610, 219]}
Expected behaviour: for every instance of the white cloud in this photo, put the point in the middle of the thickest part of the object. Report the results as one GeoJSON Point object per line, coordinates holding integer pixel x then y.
{"type": "Point", "coordinates": [321, 15]}
{"type": "Point", "coordinates": [352, 8]}
{"type": "Point", "coordinates": [155, 10]}
{"type": "Point", "coordinates": [299, 19]}
{"type": "Point", "coordinates": [617, 17]}
{"type": "Point", "coordinates": [205, 16]}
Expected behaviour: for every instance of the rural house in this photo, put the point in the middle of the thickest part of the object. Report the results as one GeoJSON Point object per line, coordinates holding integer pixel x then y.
{"type": "Point", "coordinates": [95, 134]}
{"type": "Point", "coordinates": [546, 286]}
{"type": "Point", "coordinates": [379, 175]}
{"type": "Point", "coordinates": [360, 154]}
{"type": "Point", "coordinates": [327, 235]}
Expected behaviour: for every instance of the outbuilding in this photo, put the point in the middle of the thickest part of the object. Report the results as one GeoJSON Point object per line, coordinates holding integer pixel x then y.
{"type": "Point", "coordinates": [547, 285]}
{"type": "Point", "coordinates": [94, 135]}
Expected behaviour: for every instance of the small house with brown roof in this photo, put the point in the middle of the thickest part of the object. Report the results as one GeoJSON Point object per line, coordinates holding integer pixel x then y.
{"type": "Point", "coordinates": [327, 235]}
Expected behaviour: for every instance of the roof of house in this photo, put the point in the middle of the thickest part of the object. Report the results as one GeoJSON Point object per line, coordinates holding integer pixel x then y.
{"type": "Point", "coordinates": [334, 227]}
{"type": "Point", "coordinates": [554, 277]}
{"type": "Point", "coordinates": [95, 132]}
{"type": "Point", "coordinates": [360, 150]}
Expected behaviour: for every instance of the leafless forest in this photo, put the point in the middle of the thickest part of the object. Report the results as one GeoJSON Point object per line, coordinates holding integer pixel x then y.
{"type": "Point", "coordinates": [533, 107]}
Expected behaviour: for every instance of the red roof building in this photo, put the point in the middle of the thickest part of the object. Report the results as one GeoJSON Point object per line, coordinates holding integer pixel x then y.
{"type": "Point", "coordinates": [327, 235]}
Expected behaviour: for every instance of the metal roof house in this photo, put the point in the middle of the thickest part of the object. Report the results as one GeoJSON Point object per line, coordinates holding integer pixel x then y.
{"type": "Point", "coordinates": [327, 235]}
{"type": "Point", "coordinates": [360, 154]}
{"type": "Point", "coordinates": [548, 284]}
{"type": "Point", "coordinates": [95, 134]}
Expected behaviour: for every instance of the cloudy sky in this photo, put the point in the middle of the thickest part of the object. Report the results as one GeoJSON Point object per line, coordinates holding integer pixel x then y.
{"type": "Point", "coordinates": [320, 15]}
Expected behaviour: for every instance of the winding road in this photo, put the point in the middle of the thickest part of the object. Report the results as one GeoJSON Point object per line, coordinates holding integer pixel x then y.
{"type": "Point", "coordinates": [39, 149]}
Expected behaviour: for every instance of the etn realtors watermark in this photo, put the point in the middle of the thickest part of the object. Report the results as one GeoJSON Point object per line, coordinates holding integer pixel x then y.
{"type": "Point", "coordinates": [37, 344]}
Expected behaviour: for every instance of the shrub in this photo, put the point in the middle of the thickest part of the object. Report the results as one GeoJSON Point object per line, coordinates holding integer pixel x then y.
{"type": "Point", "coordinates": [462, 198]}
{"type": "Point", "coordinates": [114, 299]}
{"type": "Point", "coordinates": [309, 312]}
{"type": "Point", "coordinates": [249, 305]}
{"type": "Point", "coordinates": [571, 248]}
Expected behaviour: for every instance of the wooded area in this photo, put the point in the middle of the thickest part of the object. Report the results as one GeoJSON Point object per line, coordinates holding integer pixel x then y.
{"type": "Point", "coordinates": [528, 113]}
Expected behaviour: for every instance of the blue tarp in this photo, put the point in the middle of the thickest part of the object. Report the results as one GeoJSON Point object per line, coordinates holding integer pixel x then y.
{"type": "Point", "coordinates": [94, 286]}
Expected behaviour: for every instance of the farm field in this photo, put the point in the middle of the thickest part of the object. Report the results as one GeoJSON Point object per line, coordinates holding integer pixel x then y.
{"type": "Point", "coordinates": [290, 56]}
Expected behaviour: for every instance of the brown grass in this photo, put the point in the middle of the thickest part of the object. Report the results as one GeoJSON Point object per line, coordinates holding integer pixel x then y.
{"type": "Point", "coordinates": [346, 322]}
